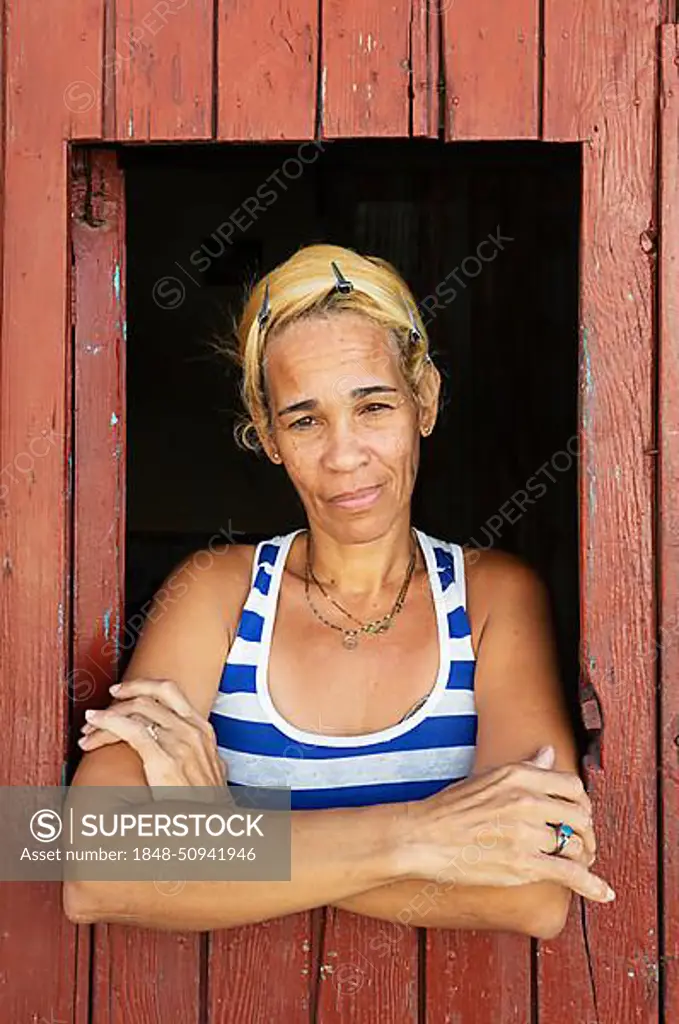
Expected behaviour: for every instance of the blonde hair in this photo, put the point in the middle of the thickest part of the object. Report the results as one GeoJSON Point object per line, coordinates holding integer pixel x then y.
{"type": "Point", "coordinates": [305, 286]}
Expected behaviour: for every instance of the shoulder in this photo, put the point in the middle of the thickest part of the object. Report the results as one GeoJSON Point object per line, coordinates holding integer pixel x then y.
{"type": "Point", "coordinates": [218, 577]}
{"type": "Point", "coordinates": [498, 580]}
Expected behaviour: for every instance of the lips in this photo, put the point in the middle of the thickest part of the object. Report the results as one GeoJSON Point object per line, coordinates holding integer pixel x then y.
{"type": "Point", "coordinates": [362, 498]}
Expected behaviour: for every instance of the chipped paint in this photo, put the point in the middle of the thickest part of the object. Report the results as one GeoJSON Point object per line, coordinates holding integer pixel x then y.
{"type": "Point", "coordinates": [113, 420]}
{"type": "Point", "coordinates": [93, 350]}
{"type": "Point", "coordinates": [107, 623]}
{"type": "Point", "coordinates": [116, 281]}
{"type": "Point", "coordinates": [586, 377]}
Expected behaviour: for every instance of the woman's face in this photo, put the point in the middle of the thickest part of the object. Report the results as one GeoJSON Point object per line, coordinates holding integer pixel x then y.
{"type": "Point", "coordinates": [345, 423]}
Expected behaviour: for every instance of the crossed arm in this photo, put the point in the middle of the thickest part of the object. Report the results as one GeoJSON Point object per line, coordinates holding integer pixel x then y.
{"type": "Point", "coordinates": [520, 708]}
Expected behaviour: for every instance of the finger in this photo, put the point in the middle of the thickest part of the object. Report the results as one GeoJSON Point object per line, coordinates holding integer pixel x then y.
{"type": "Point", "coordinates": [164, 690]}
{"type": "Point", "coordinates": [558, 784]}
{"type": "Point", "coordinates": [575, 877]}
{"type": "Point", "coordinates": [550, 810]}
{"type": "Point", "coordinates": [192, 748]}
{"type": "Point", "coordinates": [98, 738]}
{"type": "Point", "coordinates": [135, 733]}
{"type": "Point", "coordinates": [140, 707]}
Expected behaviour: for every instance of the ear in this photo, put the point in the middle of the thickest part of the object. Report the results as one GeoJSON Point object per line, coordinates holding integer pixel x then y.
{"type": "Point", "coordinates": [269, 446]}
{"type": "Point", "coordinates": [429, 391]}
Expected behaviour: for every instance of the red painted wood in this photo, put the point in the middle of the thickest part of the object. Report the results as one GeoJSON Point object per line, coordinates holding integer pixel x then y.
{"type": "Point", "coordinates": [126, 960]}
{"type": "Point", "coordinates": [492, 65]}
{"type": "Point", "coordinates": [98, 241]}
{"type": "Point", "coordinates": [262, 972]}
{"type": "Point", "coordinates": [267, 57]}
{"type": "Point", "coordinates": [159, 70]}
{"type": "Point", "coordinates": [669, 504]}
{"type": "Point", "coordinates": [606, 52]}
{"type": "Point", "coordinates": [425, 46]}
{"type": "Point", "coordinates": [37, 943]}
{"type": "Point", "coordinates": [605, 965]}
{"type": "Point", "coordinates": [365, 67]}
{"type": "Point", "coordinates": [368, 971]}
{"type": "Point", "coordinates": [477, 977]}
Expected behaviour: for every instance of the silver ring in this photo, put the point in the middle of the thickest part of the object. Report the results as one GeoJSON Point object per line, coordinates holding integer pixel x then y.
{"type": "Point", "coordinates": [563, 834]}
{"type": "Point", "coordinates": [153, 729]}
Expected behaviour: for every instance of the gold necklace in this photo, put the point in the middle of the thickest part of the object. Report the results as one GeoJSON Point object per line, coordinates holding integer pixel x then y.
{"type": "Point", "coordinates": [381, 625]}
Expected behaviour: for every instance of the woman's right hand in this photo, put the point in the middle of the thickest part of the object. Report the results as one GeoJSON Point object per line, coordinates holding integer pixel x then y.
{"type": "Point", "coordinates": [492, 829]}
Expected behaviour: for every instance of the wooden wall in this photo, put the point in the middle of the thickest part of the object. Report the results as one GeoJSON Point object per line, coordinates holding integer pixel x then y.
{"type": "Point", "coordinates": [139, 71]}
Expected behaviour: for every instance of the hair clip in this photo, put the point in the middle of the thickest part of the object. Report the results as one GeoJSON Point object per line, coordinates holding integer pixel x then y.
{"type": "Point", "coordinates": [342, 284]}
{"type": "Point", "coordinates": [265, 308]}
{"type": "Point", "coordinates": [415, 334]}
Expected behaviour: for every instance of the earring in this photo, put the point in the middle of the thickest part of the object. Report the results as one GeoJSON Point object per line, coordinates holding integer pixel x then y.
{"type": "Point", "coordinates": [275, 456]}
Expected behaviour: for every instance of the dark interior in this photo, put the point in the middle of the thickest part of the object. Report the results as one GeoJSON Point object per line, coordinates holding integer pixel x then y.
{"type": "Point", "coordinates": [500, 468]}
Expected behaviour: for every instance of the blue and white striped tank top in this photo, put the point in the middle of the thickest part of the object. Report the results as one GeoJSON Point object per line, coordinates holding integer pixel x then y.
{"type": "Point", "coordinates": [421, 754]}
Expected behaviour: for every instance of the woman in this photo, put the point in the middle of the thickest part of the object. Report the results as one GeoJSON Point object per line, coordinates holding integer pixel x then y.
{"type": "Point", "coordinates": [398, 684]}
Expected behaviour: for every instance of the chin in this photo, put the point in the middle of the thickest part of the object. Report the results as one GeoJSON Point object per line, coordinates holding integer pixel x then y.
{"type": "Point", "coordinates": [350, 526]}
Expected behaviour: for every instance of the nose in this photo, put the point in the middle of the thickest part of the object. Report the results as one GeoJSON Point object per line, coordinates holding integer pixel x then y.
{"type": "Point", "coordinates": [344, 451]}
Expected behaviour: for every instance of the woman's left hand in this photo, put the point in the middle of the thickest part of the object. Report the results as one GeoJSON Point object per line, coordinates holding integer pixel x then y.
{"type": "Point", "coordinates": [185, 752]}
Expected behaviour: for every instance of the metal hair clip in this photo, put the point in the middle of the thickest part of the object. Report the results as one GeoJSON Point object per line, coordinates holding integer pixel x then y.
{"type": "Point", "coordinates": [343, 285]}
{"type": "Point", "coordinates": [415, 334]}
{"type": "Point", "coordinates": [265, 308]}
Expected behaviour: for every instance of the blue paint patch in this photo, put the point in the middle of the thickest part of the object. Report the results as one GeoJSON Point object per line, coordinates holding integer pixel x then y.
{"type": "Point", "coordinates": [116, 282]}
{"type": "Point", "coordinates": [107, 623]}
{"type": "Point", "coordinates": [114, 419]}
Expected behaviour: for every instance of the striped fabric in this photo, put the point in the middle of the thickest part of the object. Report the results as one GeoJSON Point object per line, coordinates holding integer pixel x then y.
{"type": "Point", "coordinates": [410, 760]}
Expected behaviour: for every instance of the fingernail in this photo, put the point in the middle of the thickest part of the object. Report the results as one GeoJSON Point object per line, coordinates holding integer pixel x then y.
{"type": "Point", "coordinates": [114, 688]}
{"type": "Point", "coordinates": [90, 713]}
{"type": "Point", "coordinates": [610, 895]}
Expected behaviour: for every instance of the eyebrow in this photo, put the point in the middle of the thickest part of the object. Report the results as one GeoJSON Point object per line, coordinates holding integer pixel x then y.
{"type": "Point", "coordinates": [311, 403]}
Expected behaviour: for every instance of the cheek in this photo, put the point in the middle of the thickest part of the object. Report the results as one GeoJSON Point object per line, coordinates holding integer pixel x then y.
{"type": "Point", "coordinates": [302, 462]}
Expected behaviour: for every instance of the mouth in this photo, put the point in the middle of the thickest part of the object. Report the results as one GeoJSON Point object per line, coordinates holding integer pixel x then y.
{"type": "Point", "coordinates": [362, 498]}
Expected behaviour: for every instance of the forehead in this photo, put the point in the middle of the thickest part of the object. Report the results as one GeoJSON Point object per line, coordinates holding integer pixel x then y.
{"type": "Point", "coordinates": [312, 352]}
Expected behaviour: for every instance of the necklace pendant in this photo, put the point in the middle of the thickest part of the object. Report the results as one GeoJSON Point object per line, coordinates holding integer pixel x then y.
{"type": "Point", "coordinates": [350, 641]}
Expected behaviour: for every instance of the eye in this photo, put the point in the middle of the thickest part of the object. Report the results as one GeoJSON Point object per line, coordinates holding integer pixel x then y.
{"type": "Point", "coordinates": [376, 407]}
{"type": "Point", "coordinates": [302, 424]}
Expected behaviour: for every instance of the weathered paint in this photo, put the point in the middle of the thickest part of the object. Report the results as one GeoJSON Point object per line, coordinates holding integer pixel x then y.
{"type": "Point", "coordinates": [266, 86]}
{"type": "Point", "coordinates": [668, 532]}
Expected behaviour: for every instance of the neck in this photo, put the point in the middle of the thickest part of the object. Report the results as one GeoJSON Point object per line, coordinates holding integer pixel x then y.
{"type": "Point", "coordinates": [361, 572]}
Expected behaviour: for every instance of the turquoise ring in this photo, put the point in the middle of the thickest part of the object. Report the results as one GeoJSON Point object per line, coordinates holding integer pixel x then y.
{"type": "Point", "coordinates": [563, 834]}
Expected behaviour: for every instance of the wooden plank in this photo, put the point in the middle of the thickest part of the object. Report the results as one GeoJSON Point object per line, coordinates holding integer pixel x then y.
{"type": "Point", "coordinates": [159, 69]}
{"type": "Point", "coordinates": [605, 965]}
{"type": "Point", "coordinates": [600, 67]}
{"type": "Point", "coordinates": [478, 977]}
{"type": "Point", "coordinates": [98, 245]}
{"type": "Point", "coordinates": [267, 69]}
{"type": "Point", "coordinates": [367, 52]}
{"type": "Point", "coordinates": [41, 109]}
{"type": "Point", "coordinates": [669, 505]}
{"type": "Point", "coordinates": [425, 66]}
{"type": "Point", "coordinates": [368, 971]}
{"type": "Point", "coordinates": [262, 972]}
{"type": "Point", "coordinates": [492, 69]}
